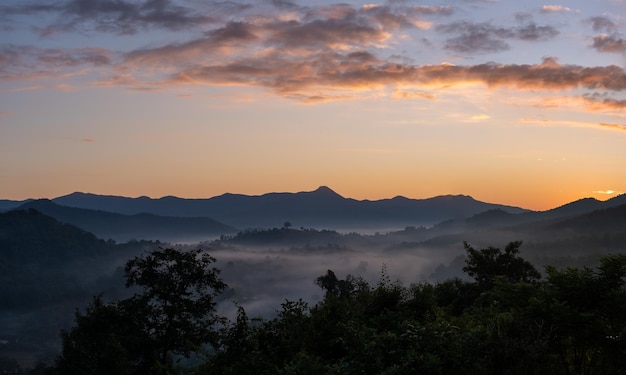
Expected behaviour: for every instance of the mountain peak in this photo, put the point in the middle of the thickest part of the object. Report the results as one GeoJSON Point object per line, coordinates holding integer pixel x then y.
{"type": "Point", "coordinates": [326, 191]}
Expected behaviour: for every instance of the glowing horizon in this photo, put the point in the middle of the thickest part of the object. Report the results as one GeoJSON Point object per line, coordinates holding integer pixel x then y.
{"type": "Point", "coordinates": [518, 104]}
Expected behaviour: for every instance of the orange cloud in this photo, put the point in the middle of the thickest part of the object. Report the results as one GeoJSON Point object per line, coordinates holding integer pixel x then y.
{"type": "Point", "coordinates": [618, 127]}
{"type": "Point", "coordinates": [313, 54]}
{"type": "Point", "coordinates": [413, 95]}
{"type": "Point", "coordinates": [609, 43]}
{"type": "Point", "coordinates": [607, 192]}
{"type": "Point", "coordinates": [554, 8]}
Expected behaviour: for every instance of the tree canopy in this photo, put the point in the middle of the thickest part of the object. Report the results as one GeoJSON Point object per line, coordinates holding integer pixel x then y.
{"type": "Point", "coordinates": [171, 313]}
{"type": "Point", "coordinates": [506, 321]}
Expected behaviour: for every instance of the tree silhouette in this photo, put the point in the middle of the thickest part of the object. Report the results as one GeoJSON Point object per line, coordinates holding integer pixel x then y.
{"type": "Point", "coordinates": [172, 313]}
{"type": "Point", "coordinates": [485, 265]}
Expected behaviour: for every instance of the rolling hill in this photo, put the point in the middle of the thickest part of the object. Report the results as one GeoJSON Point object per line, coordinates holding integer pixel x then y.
{"type": "Point", "coordinates": [120, 227]}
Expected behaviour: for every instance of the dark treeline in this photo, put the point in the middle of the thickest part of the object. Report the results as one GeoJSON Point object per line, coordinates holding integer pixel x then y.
{"type": "Point", "coordinates": [47, 269]}
{"type": "Point", "coordinates": [506, 320]}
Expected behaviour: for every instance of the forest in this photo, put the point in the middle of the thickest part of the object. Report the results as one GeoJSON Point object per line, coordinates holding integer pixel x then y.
{"type": "Point", "coordinates": [507, 319]}
{"type": "Point", "coordinates": [458, 297]}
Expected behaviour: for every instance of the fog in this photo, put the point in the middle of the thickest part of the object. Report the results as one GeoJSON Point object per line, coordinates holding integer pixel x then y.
{"type": "Point", "coordinates": [262, 279]}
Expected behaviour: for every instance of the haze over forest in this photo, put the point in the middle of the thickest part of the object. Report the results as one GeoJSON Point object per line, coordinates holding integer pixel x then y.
{"type": "Point", "coordinates": [132, 125]}
{"type": "Point", "coordinates": [52, 264]}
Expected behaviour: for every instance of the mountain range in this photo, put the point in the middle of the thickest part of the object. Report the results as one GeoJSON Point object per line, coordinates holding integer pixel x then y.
{"type": "Point", "coordinates": [172, 218]}
{"type": "Point", "coordinates": [319, 208]}
{"type": "Point", "coordinates": [50, 264]}
{"type": "Point", "coordinates": [120, 227]}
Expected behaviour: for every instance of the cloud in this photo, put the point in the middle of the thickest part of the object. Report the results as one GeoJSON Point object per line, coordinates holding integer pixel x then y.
{"type": "Point", "coordinates": [27, 62]}
{"type": "Point", "coordinates": [480, 117]}
{"type": "Point", "coordinates": [323, 73]}
{"type": "Point", "coordinates": [403, 94]}
{"type": "Point", "coordinates": [609, 43]}
{"type": "Point", "coordinates": [114, 16]}
{"type": "Point", "coordinates": [620, 127]}
{"type": "Point", "coordinates": [597, 101]}
{"type": "Point", "coordinates": [485, 37]}
{"type": "Point", "coordinates": [601, 24]}
{"type": "Point", "coordinates": [555, 9]}
{"type": "Point", "coordinates": [90, 140]}
{"type": "Point", "coordinates": [606, 192]}
{"type": "Point", "coordinates": [221, 41]}
{"type": "Point", "coordinates": [578, 124]}
{"type": "Point", "coordinates": [311, 54]}
{"type": "Point", "coordinates": [426, 10]}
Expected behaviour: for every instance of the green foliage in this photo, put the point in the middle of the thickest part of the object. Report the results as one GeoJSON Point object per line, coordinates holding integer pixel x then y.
{"type": "Point", "coordinates": [103, 342]}
{"type": "Point", "coordinates": [173, 313]}
{"type": "Point", "coordinates": [506, 321]}
{"type": "Point", "coordinates": [176, 299]}
{"type": "Point", "coordinates": [485, 265]}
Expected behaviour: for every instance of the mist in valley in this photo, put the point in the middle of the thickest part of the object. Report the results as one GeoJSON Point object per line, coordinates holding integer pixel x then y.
{"type": "Point", "coordinates": [261, 279]}
{"type": "Point", "coordinates": [51, 269]}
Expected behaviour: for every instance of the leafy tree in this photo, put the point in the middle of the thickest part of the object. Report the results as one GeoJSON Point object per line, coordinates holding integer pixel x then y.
{"type": "Point", "coordinates": [102, 342]}
{"type": "Point", "coordinates": [177, 299]}
{"type": "Point", "coordinates": [334, 287]}
{"type": "Point", "coordinates": [485, 265]}
{"type": "Point", "coordinates": [172, 313]}
{"type": "Point", "coordinates": [588, 307]}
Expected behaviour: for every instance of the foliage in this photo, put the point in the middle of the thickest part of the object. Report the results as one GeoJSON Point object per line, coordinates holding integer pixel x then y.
{"type": "Point", "coordinates": [173, 313]}
{"type": "Point", "coordinates": [506, 321]}
{"type": "Point", "coordinates": [485, 265]}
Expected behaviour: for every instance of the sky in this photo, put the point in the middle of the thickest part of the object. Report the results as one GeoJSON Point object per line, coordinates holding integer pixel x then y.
{"type": "Point", "coordinates": [512, 102]}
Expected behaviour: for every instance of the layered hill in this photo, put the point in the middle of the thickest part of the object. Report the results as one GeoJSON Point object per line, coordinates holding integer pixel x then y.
{"type": "Point", "coordinates": [321, 208]}
{"type": "Point", "coordinates": [120, 227]}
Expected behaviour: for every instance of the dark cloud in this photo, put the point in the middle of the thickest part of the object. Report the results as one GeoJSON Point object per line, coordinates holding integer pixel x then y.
{"type": "Point", "coordinates": [30, 8]}
{"type": "Point", "coordinates": [474, 37]}
{"type": "Point", "coordinates": [233, 31]}
{"type": "Point", "coordinates": [114, 16]}
{"type": "Point", "coordinates": [235, 35]}
{"type": "Point", "coordinates": [326, 32]}
{"type": "Point", "coordinates": [25, 61]}
{"type": "Point", "coordinates": [311, 54]}
{"type": "Point", "coordinates": [74, 57]}
{"type": "Point", "coordinates": [532, 32]}
{"type": "Point", "coordinates": [485, 37]}
{"type": "Point", "coordinates": [609, 43]}
{"type": "Point", "coordinates": [386, 18]}
{"type": "Point", "coordinates": [283, 4]}
{"type": "Point", "coordinates": [476, 42]}
{"type": "Point", "coordinates": [423, 10]}
{"type": "Point", "coordinates": [603, 101]}
{"type": "Point", "coordinates": [523, 17]}
{"type": "Point", "coordinates": [601, 24]}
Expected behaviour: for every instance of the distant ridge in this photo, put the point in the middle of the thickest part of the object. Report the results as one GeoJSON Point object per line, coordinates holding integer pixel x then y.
{"type": "Point", "coordinates": [321, 208]}
{"type": "Point", "coordinates": [120, 227]}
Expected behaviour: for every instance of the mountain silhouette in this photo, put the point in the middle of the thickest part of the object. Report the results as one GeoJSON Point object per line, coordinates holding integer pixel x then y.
{"type": "Point", "coordinates": [120, 227]}
{"type": "Point", "coordinates": [31, 236]}
{"type": "Point", "coordinates": [321, 208]}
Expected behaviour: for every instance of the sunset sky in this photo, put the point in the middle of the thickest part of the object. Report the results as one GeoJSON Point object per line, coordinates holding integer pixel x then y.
{"type": "Point", "coordinates": [512, 102]}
